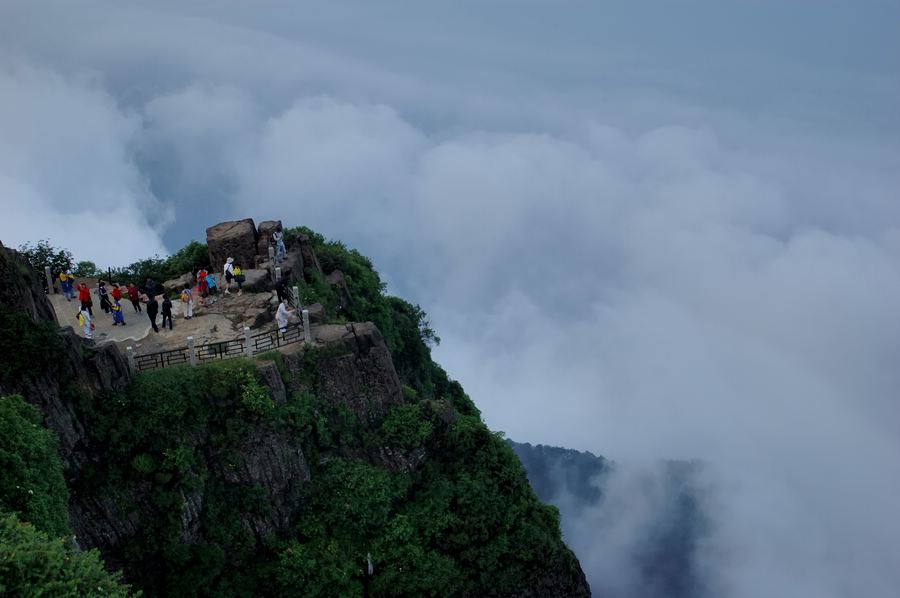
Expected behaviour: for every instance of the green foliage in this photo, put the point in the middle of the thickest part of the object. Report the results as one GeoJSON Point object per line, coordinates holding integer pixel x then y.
{"type": "Point", "coordinates": [405, 427]}
{"type": "Point", "coordinates": [254, 395]}
{"type": "Point", "coordinates": [43, 254]}
{"type": "Point", "coordinates": [32, 565]}
{"type": "Point", "coordinates": [32, 484]}
{"type": "Point", "coordinates": [87, 269]}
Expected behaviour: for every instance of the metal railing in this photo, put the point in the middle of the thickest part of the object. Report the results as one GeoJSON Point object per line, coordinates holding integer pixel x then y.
{"type": "Point", "coordinates": [246, 346]}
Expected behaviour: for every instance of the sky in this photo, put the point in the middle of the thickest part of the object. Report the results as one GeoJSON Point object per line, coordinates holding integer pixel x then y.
{"type": "Point", "coordinates": [649, 229]}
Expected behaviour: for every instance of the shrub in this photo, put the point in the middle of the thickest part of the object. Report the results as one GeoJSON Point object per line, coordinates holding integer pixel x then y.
{"type": "Point", "coordinates": [32, 564]}
{"type": "Point", "coordinates": [32, 484]}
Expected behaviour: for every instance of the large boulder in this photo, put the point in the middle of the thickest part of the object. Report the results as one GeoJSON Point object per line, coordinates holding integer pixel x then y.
{"type": "Point", "coordinates": [177, 284]}
{"type": "Point", "coordinates": [264, 236]}
{"type": "Point", "coordinates": [237, 239]}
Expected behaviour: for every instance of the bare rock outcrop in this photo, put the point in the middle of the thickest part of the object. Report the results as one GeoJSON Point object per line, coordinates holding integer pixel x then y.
{"type": "Point", "coordinates": [264, 236]}
{"type": "Point", "coordinates": [235, 238]}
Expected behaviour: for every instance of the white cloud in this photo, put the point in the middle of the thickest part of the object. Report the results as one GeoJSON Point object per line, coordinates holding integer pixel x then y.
{"type": "Point", "coordinates": [637, 231]}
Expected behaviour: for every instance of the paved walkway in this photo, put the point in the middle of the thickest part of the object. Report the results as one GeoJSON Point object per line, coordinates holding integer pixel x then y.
{"type": "Point", "coordinates": [137, 325]}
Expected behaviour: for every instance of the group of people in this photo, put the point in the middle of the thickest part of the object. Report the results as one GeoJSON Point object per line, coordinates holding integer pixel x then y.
{"type": "Point", "coordinates": [110, 299]}
{"type": "Point", "coordinates": [110, 302]}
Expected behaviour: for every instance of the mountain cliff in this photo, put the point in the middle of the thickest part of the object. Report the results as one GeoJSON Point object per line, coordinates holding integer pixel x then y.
{"type": "Point", "coordinates": [354, 467]}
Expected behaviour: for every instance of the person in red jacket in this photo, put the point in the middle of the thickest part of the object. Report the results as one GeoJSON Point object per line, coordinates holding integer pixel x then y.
{"type": "Point", "coordinates": [135, 295]}
{"type": "Point", "coordinates": [84, 295]}
{"type": "Point", "coordinates": [116, 292]}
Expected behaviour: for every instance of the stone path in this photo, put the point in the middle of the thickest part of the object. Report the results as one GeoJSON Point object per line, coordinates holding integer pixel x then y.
{"type": "Point", "coordinates": [137, 325]}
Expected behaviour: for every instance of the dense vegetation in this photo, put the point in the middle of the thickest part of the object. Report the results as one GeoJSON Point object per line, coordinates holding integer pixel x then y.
{"type": "Point", "coordinates": [36, 556]}
{"type": "Point", "coordinates": [429, 498]}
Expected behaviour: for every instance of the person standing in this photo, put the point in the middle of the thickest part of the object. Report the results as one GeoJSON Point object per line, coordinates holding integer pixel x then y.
{"type": "Point", "coordinates": [228, 271]}
{"type": "Point", "coordinates": [211, 283]}
{"type": "Point", "coordinates": [66, 281]}
{"type": "Point", "coordinates": [202, 285]}
{"type": "Point", "coordinates": [135, 295]}
{"type": "Point", "coordinates": [116, 292]}
{"type": "Point", "coordinates": [104, 297]}
{"type": "Point", "coordinates": [166, 312]}
{"type": "Point", "coordinates": [84, 295]}
{"type": "Point", "coordinates": [280, 288]}
{"type": "Point", "coordinates": [84, 320]}
{"type": "Point", "coordinates": [118, 315]}
{"type": "Point", "coordinates": [187, 297]}
{"type": "Point", "coordinates": [280, 249]}
{"type": "Point", "coordinates": [152, 311]}
{"type": "Point", "coordinates": [281, 316]}
{"type": "Point", "coordinates": [239, 279]}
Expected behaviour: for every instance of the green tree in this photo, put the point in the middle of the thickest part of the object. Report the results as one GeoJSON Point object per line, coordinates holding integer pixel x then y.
{"type": "Point", "coordinates": [32, 564]}
{"type": "Point", "coordinates": [43, 254]}
{"type": "Point", "coordinates": [87, 269]}
{"type": "Point", "coordinates": [32, 484]}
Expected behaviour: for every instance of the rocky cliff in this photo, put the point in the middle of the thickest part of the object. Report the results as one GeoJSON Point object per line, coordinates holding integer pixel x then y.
{"type": "Point", "coordinates": [310, 466]}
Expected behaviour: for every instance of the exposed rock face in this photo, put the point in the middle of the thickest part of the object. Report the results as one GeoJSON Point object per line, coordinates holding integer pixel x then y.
{"type": "Point", "coordinates": [264, 237]}
{"type": "Point", "coordinates": [22, 289]}
{"type": "Point", "coordinates": [336, 279]}
{"type": "Point", "coordinates": [237, 239]}
{"type": "Point", "coordinates": [355, 369]}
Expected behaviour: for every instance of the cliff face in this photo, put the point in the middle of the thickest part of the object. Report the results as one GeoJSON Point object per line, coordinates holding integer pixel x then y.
{"type": "Point", "coordinates": [183, 476]}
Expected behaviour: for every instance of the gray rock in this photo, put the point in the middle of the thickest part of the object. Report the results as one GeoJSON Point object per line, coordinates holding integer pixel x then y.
{"type": "Point", "coordinates": [264, 236]}
{"type": "Point", "coordinates": [236, 239]}
{"type": "Point", "coordinates": [177, 284]}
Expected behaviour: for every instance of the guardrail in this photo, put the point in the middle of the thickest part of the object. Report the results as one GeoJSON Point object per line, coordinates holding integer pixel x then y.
{"type": "Point", "coordinates": [247, 346]}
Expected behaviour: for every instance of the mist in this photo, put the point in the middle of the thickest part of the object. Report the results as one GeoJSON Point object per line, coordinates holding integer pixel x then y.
{"type": "Point", "coordinates": [652, 230]}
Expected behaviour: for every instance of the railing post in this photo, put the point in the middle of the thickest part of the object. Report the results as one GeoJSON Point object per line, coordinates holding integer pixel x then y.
{"type": "Point", "coordinates": [277, 273]}
{"type": "Point", "coordinates": [49, 280]}
{"type": "Point", "coordinates": [271, 253]}
{"type": "Point", "coordinates": [248, 347]}
{"type": "Point", "coordinates": [192, 353]}
{"type": "Point", "coordinates": [296, 296]}
{"type": "Point", "coordinates": [307, 333]}
{"type": "Point", "coordinates": [130, 353]}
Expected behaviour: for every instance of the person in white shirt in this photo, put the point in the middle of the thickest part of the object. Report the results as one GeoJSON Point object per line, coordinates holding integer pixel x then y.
{"type": "Point", "coordinates": [229, 274]}
{"type": "Point", "coordinates": [281, 316]}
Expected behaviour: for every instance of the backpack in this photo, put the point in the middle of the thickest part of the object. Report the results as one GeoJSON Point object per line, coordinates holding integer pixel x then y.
{"type": "Point", "coordinates": [237, 271]}
{"type": "Point", "coordinates": [184, 296]}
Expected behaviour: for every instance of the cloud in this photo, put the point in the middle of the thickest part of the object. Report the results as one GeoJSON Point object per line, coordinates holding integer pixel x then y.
{"type": "Point", "coordinates": [640, 230]}
{"type": "Point", "coordinates": [66, 171]}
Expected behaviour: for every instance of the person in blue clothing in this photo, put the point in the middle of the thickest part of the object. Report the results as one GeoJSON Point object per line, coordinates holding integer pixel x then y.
{"type": "Point", "coordinates": [280, 250]}
{"type": "Point", "coordinates": [117, 313]}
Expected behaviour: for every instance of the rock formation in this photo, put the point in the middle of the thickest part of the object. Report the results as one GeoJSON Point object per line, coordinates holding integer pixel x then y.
{"type": "Point", "coordinates": [237, 239]}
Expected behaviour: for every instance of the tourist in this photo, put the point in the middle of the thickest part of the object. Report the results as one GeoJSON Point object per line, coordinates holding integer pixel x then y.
{"type": "Point", "coordinates": [118, 315]}
{"type": "Point", "coordinates": [280, 289]}
{"type": "Point", "coordinates": [281, 316]}
{"type": "Point", "coordinates": [239, 279]}
{"type": "Point", "coordinates": [202, 285]}
{"type": "Point", "coordinates": [280, 250]}
{"type": "Point", "coordinates": [229, 274]}
{"type": "Point", "coordinates": [135, 295]}
{"type": "Point", "coordinates": [116, 292]}
{"type": "Point", "coordinates": [152, 311]}
{"type": "Point", "coordinates": [66, 282]}
{"type": "Point", "coordinates": [166, 312]}
{"type": "Point", "coordinates": [84, 295]}
{"type": "Point", "coordinates": [187, 297]}
{"type": "Point", "coordinates": [104, 296]}
{"type": "Point", "coordinates": [84, 320]}
{"type": "Point", "coordinates": [211, 283]}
